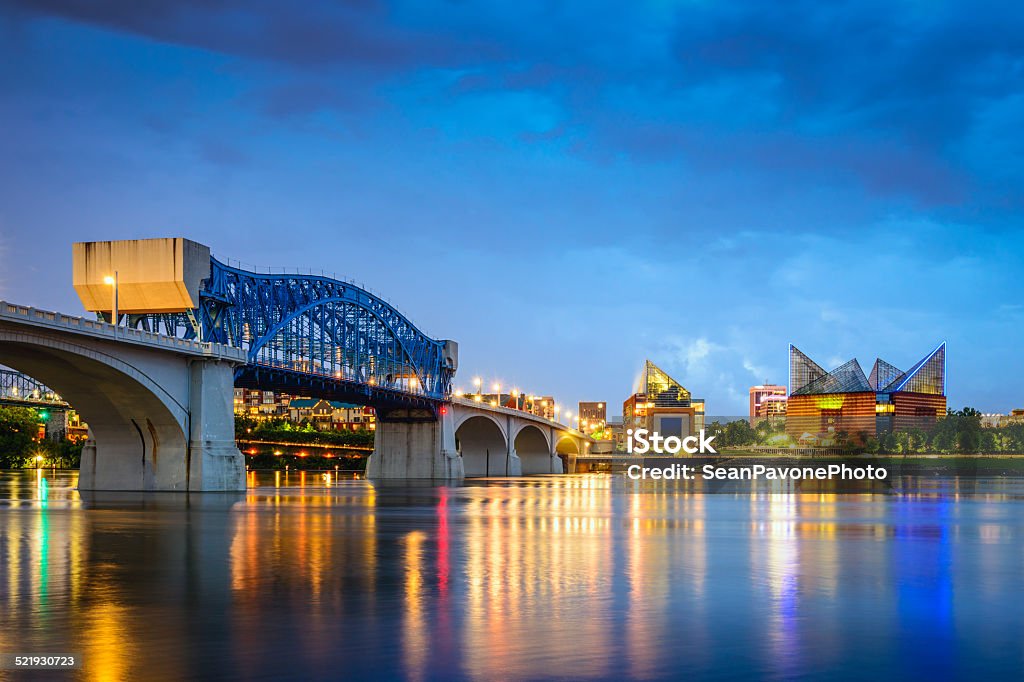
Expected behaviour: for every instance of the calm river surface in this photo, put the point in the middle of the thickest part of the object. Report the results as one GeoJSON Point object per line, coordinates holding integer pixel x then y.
{"type": "Point", "coordinates": [570, 577]}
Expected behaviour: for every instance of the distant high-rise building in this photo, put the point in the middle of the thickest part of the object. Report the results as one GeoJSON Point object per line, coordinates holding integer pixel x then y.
{"type": "Point", "coordinates": [663, 405]}
{"type": "Point", "coordinates": [824, 404]}
{"type": "Point", "coordinates": [760, 405]}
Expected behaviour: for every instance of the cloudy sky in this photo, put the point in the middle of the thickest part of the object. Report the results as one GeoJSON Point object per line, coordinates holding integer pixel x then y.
{"type": "Point", "coordinates": [564, 188]}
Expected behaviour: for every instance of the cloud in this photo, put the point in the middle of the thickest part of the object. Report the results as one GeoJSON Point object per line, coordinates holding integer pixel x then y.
{"type": "Point", "coordinates": [353, 33]}
{"type": "Point", "coordinates": [889, 99]}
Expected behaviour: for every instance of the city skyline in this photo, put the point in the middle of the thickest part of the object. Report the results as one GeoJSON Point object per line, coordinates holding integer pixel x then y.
{"type": "Point", "coordinates": [565, 203]}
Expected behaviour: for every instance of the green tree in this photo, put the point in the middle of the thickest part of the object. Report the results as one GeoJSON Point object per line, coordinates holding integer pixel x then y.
{"type": "Point", "coordinates": [18, 429]}
{"type": "Point", "coordinates": [738, 433]}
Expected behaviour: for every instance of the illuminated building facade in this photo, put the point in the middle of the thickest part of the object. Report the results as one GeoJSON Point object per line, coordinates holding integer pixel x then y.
{"type": "Point", "coordinates": [662, 404]}
{"type": "Point", "coordinates": [767, 400]}
{"type": "Point", "coordinates": [773, 408]}
{"type": "Point", "coordinates": [540, 405]}
{"type": "Point", "coordinates": [823, 404]}
{"type": "Point", "coordinates": [593, 417]}
{"type": "Point", "coordinates": [331, 414]}
{"type": "Point", "coordinates": [258, 404]}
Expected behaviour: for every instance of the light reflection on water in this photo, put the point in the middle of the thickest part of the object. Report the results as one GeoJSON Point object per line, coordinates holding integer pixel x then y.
{"type": "Point", "coordinates": [569, 577]}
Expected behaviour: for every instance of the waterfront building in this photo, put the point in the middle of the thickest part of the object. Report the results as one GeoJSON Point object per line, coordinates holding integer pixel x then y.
{"type": "Point", "coordinates": [995, 420]}
{"type": "Point", "coordinates": [823, 405]}
{"type": "Point", "coordinates": [258, 404]}
{"type": "Point", "coordinates": [593, 417]}
{"type": "Point", "coordinates": [765, 399]}
{"type": "Point", "coordinates": [662, 404]}
{"type": "Point", "coordinates": [330, 415]}
{"type": "Point", "coordinates": [540, 405]}
{"type": "Point", "coordinates": [617, 433]}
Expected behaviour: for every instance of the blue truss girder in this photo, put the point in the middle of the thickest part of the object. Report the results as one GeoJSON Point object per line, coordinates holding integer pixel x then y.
{"type": "Point", "coordinates": [18, 388]}
{"type": "Point", "coordinates": [314, 326]}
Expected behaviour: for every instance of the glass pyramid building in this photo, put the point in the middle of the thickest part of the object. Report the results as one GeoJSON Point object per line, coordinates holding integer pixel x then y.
{"type": "Point", "coordinates": [662, 404]}
{"type": "Point", "coordinates": [661, 389]}
{"type": "Point", "coordinates": [837, 406]}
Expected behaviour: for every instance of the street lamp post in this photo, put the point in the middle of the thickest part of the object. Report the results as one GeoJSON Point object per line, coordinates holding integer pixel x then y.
{"type": "Point", "coordinates": [112, 282]}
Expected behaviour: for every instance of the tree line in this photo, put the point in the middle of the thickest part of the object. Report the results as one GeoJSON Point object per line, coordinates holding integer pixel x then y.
{"type": "Point", "coordinates": [284, 431]}
{"type": "Point", "coordinates": [21, 447]}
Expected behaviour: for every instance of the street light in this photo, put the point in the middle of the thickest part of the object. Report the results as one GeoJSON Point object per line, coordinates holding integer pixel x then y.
{"type": "Point", "coordinates": [478, 382]}
{"type": "Point", "coordinates": [112, 282]}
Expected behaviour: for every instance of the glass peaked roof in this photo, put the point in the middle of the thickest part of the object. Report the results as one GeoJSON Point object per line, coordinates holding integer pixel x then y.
{"type": "Point", "coordinates": [927, 376]}
{"type": "Point", "coordinates": [883, 374]}
{"type": "Point", "coordinates": [661, 389]}
{"type": "Point", "coordinates": [847, 378]}
{"type": "Point", "coordinates": [802, 370]}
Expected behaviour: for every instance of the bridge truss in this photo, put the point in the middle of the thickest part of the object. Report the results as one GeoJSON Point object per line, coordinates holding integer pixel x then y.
{"type": "Point", "coordinates": [17, 389]}
{"type": "Point", "coordinates": [315, 334]}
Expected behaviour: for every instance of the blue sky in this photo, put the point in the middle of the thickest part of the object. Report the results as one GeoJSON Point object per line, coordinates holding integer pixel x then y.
{"type": "Point", "coordinates": [564, 188]}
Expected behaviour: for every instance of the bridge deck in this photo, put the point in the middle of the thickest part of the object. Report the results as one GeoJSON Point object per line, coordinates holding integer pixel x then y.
{"type": "Point", "coordinates": [45, 319]}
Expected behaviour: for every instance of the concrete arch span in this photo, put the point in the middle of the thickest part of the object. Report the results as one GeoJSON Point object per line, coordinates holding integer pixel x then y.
{"type": "Point", "coordinates": [154, 416]}
{"type": "Point", "coordinates": [127, 418]}
{"type": "Point", "coordinates": [484, 448]}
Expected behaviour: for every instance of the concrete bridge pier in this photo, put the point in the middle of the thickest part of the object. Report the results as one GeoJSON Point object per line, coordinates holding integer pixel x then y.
{"type": "Point", "coordinates": [197, 455]}
{"type": "Point", "coordinates": [214, 460]}
{"type": "Point", "coordinates": [556, 464]}
{"type": "Point", "coordinates": [411, 443]}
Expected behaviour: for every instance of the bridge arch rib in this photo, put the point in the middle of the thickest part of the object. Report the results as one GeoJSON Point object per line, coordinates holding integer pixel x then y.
{"type": "Point", "coordinates": [339, 329]}
{"type": "Point", "coordinates": [139, 426]}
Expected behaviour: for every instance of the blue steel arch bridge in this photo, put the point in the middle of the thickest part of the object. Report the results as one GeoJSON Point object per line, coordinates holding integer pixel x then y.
{"type": "Point", "coordinates": [313, 334]}
{"type": "Point", "coordinates": [19, 390]}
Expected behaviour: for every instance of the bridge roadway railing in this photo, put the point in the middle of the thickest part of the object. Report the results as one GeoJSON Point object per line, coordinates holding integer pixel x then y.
{"type": "Point", "coordinates": [27, 315]}
{"type": "Point", "coordinates": [521, 414]}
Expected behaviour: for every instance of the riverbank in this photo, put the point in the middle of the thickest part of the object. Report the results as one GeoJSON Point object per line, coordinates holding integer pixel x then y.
{"type": "Point", "coordinates": [303, 456]}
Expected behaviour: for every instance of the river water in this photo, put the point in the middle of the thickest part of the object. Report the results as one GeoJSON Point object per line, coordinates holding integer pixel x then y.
{"type": "Point", "coordinates": [571, 577]}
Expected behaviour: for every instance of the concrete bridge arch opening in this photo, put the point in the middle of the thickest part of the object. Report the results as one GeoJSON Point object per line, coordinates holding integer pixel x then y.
{"type": "Point", "coordinates": [567, 449]}
{"type": "Point", "coordinates": [534, 450]}
{"type": "Point", "coordinates": [484, 447]}
{"type": "Point", "coordinates": [132, 423]}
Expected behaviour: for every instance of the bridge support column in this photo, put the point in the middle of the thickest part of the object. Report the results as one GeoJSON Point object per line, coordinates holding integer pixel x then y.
{"type": "Point", "coordinates": [515, 465]}
{"type": "Point", "coordinates": [408, 445]}
{"type": "Point", "coordinates": [214, 462]}
{"type": "Point", "coordinates": [556, 464]}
